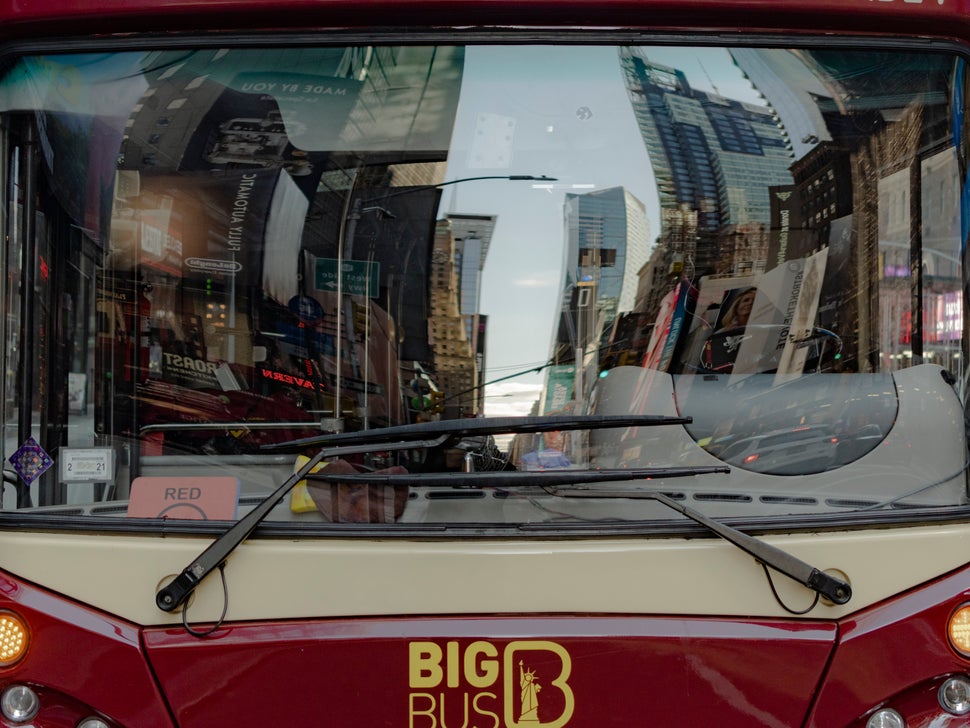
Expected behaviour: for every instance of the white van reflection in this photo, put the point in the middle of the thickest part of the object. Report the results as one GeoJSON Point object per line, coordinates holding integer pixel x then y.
{"type": "Point", "coordinates": [793, 451]}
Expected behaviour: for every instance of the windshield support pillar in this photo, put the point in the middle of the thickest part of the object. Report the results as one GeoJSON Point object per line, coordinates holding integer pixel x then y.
{"type": "Point", "coordinates": [28, 156]}
{"type": "Point", "coordinates": [916, 256]}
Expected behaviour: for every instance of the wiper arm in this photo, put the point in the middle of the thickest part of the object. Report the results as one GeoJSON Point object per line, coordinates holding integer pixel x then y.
{"type": "Point", "coordinates": [173, 594]}
{"type": "Point", "coordinates": [426, 434]}
{"type": "Point", "coordinates": [836, 590]}
{"type": "Point", "coordinates": [483, 426]}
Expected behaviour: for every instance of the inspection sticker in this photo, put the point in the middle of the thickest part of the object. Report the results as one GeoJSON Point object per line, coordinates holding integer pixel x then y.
{"type": "Point", "coordinates": [87, 465]}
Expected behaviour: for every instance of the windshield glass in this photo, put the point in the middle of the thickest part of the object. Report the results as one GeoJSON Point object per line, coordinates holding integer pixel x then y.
{"type": "Point", "coordinates": [216, 257]}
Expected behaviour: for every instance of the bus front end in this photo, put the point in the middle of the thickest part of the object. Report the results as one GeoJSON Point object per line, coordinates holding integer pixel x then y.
{"type": "Point", "coordinates": [484, 364]}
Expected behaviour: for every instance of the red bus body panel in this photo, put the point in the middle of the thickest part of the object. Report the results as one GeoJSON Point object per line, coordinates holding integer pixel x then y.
{"type": "Point", "coordinates": [82, 654]}
{"type": "Point", "coordinates": [620, 671]}
{"type": "Point", "coordinates": [593, 670]}
{"type": "Point", "coordinates": [890, 648]}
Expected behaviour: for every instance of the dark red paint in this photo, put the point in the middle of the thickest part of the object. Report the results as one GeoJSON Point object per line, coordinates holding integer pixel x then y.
{"type": "Point", "coordinates": [81, 661]}
{"type": "Point", "coordinates": [355, 672]}
{"type": "Point", "coordinates": [624, 671]}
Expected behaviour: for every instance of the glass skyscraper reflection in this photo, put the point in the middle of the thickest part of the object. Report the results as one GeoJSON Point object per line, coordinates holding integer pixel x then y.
{"type": "Point", "coordinates": [715, 154]}
{"type": "Point", "coordinates": [607, 243]}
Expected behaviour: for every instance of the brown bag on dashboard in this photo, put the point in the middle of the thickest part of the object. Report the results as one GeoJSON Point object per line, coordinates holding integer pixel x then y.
{"type": "Point", "coordinates": [353, 503]}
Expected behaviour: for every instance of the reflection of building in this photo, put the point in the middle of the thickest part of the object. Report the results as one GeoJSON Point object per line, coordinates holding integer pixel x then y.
{"type": "Point", "coordinates": [667, 262]}
{"type": "Point", "coordinates": [233, 202]}
{"type": "Point", "coordinates": [940, 230]}
{"type": "Point", "coordinates": [607, 243]}
{"type": "Point", "coordinates": [472, 234]}
{"type": "Point", "coordinates": [802, 214]}
{"type": "Point", "coordinates": [876, 184]}
{"type": "Point", "coordinates": [791, 89]}
{"type": "Point", "coordinates": [716, 154]}
{"type": "Point", "coordinates": [711, 155]}
{"type": "Point", "coordinates": [457, 327]}
{"type": "Point", "coordinates": [744, 249]}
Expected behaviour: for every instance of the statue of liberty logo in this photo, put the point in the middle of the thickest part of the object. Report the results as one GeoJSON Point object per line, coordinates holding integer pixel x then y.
{"type": "Point", "coordinates": [522, 710]}
{"type": "Point", "coordinates": [529, 695]}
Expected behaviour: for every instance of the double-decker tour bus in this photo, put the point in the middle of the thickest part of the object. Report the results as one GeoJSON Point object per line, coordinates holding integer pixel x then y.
{"type": "Point", "coordinates": [485, 364]}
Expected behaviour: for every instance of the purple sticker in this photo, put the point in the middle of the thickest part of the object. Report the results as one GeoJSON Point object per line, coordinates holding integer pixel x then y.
{"type": "Point", "coordinates": [30, 461]}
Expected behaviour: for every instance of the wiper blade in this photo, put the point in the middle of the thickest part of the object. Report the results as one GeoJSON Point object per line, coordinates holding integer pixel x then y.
{"type": "Point", "coordinates": [484, 426]}
{"type": "Point", "coordinates": [425, 434]}
{"type": "Point", "coordinates": [519, 478]}
{"type": "Point", "coordinates": [835, 590]}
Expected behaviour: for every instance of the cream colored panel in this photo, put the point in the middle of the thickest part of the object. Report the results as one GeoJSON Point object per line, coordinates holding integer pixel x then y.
{"type": "Point", "coordinates": [274, 579]}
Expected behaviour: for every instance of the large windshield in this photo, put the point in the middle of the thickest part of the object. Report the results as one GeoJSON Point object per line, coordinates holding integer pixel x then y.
{"type": "Point", "coordinates": [216, 257]}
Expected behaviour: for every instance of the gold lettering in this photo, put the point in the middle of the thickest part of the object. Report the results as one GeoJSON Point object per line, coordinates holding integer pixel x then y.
{"type": "Point", "coordinates": [481, 673]}
{"type": "Point", "coordinates": [479, 665]}
{"type": "Point", "coordinates": [424, 664]}
{"type": "Point", "coordinates": [429, 713]}
{"type": "Point", "coordinates": [464, 720]}
{"type": "Point", "coordinates": [484, 712]}
{"type": "Point", "coordinates": [512, 691]}
{"type": "Point", "coordinates": [453, 662]}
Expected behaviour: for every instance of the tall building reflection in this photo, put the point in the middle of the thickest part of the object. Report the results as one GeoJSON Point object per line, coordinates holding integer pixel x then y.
{"type": "Point", "coordinates": [875, 183]}
{"type": "Point", "coordinates": [606, 243]}
{"type": "Point", "coordinates": [850, 159]}
{"type": "Point", "coordinates": [457, 324]}
{"type": "Point", "coordinates": [714, 159]}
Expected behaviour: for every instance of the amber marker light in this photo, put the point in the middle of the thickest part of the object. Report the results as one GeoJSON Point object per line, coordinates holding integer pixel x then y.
{"type": "Point", "coordinates": [13, 638]}
{"type": "Point", "coordinates": [958, 630]}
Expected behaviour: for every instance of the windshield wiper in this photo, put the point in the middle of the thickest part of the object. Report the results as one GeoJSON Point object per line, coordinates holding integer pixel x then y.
{"type": "Point", "coordinates": [833, 589]}
{"type": "Point", "coordinates": [519, 478]}
{"type": "Point", "coordinates": [836, 590]}
{"type": "Point", "coordinates": [426, 434]}
{"type": "Point", "coordinates": [826, 585]}
{"type": "Point", "coordinates": [485, 426]}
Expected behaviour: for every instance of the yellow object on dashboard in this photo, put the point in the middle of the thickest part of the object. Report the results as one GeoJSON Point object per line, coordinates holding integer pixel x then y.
{"type": "Point", "coordinates": [300, 500]}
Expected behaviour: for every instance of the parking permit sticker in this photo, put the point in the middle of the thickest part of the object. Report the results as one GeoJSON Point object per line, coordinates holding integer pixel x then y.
{"type": "Point", "coordinates": [86, 464]}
